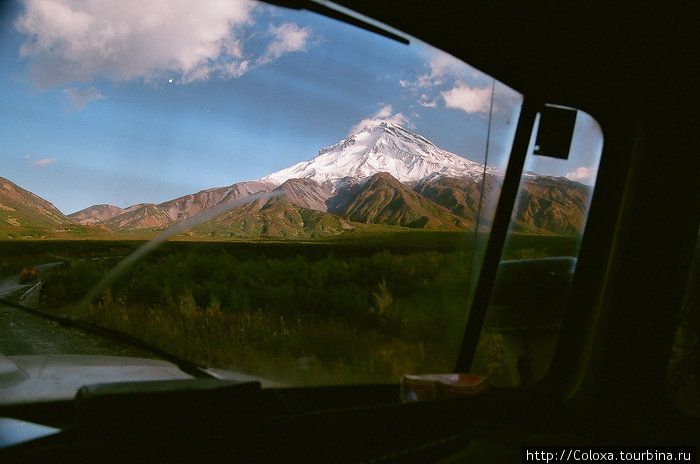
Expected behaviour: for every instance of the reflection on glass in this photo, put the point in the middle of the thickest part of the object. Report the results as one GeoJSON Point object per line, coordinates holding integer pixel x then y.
{"type": "Point", "coordinates": [539, 258]}
{"type": "Point", "coordinates": [683, 376]}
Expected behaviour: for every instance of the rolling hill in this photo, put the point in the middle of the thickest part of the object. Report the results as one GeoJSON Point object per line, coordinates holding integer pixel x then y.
{"type": "Point", "coordinates": [382, 175]}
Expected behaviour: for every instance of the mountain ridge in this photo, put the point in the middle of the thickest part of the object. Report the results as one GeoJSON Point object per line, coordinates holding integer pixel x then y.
{"type": "Point", "coordinates": [383, 174]}
{"type": "Point", "coordinates": [24, 214]}
{"type": "Point", "coordinates": [383, 147]}
{"type": "Point", "coordinates": [20, 207]}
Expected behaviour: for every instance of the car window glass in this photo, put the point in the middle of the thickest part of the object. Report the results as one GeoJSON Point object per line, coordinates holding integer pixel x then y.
{"type": "Point", "coordinates": [539, 258]}
{"type": "Point", "coordinates": [684, 363]}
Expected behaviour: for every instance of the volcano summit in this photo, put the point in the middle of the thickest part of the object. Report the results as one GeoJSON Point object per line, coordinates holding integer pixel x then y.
{"type": "Point", "coordinates": [383, 174]}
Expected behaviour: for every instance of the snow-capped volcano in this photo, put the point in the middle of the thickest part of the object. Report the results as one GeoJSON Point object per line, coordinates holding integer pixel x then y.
{"type": "Point", "coordinates": [384, 147]}
{"type": "Point", "coordinates": [383, 174]}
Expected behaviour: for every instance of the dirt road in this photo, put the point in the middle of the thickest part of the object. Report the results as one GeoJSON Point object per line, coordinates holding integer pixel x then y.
{"type": "Point", "coordinates": [25, 333]}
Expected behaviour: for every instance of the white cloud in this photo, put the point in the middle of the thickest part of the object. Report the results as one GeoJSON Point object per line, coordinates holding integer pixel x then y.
{"type": "Point", "coordinates": [288, 38]}
{"type": "Point", "coordinates": [79, 40]}
{"type": "Point", "coordinates": [442, 80]}
{"type": "Point", "coordinates": [80, 98]}
{"type": "Point", "coordinates": [385, 114]}
{"type": "Point", "coordinates": [43, 162]}
{"type": "Point", "coordinates": [580, 173]}
{"type": "Point", "coordinates": [441, 68]}
{"type": "Point", "coordinates": [468, 99]}
{"type": "Point", "coordinates": [425, 100]}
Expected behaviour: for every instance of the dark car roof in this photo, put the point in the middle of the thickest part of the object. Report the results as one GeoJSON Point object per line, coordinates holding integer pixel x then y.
{"type": "Point", "coordinates": [580, 54]}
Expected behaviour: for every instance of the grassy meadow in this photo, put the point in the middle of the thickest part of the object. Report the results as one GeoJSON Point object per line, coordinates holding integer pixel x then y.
{"type": "Point", "coordinates": [364, 309]}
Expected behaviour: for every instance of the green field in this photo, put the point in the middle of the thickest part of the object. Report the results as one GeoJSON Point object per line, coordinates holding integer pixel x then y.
{"type": "Point", "coordinates": [357, 309]}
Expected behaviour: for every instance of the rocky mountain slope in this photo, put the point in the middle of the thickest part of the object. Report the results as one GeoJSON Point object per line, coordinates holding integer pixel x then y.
{"type": "Point", "coordinates": [382, 199]}
{"type": "Point", "coordinates": [22, 208]}
{"type": "Point", "coordinates": [95, 214]}
{"type": "Point", "coordinates": [26, 215]}
{"type": "Point", "coordinates": [384, 174]}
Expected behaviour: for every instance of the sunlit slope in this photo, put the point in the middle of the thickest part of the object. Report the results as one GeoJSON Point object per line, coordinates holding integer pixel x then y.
{"type": "Point", "coordinates": [551, 205]}
{"type": "Point", "coordinates": [384, 200]}
{"type": "Point", "coordinates": [22, 208]}
{"type": "Point", "coordinates": [383, 147]}
{"type": "Point", "coordinates": [26, 215]}
{"type": "Point", "coordinates": [384, 175]}
{"type": "Point", "coordinates": [95, 214]}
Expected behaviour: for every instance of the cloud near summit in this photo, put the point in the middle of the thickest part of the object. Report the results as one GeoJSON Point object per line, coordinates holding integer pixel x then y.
{"type": "Point", "coordinates": [385, 114]}
{"type": "Point", "coordinates": [581, 173]}
{"type": "Point", "coordinates": [79, 40]}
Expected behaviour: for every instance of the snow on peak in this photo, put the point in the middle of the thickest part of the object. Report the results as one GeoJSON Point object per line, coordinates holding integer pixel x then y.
{"type": "Point", "coordinates": [381, 147]}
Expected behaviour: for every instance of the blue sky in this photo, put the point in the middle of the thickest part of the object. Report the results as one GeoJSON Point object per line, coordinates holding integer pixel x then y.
{"type": "Point", "coordinates": [133, 101]}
